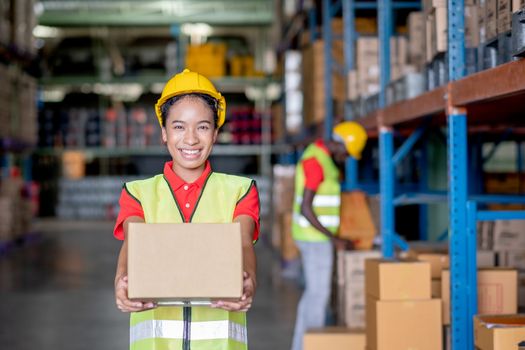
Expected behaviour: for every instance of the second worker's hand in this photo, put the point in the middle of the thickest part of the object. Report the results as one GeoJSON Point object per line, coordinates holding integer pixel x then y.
{"type": "Point", "coordinates": [244, 303]}
{"type": "Point", "coordinates": [344, 244]}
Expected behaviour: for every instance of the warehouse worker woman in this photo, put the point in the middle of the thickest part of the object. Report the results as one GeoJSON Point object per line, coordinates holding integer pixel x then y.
{"type": "Point", "coordinates": [190, 112]}
{"type": "Point", "coordinates": [316, 220]}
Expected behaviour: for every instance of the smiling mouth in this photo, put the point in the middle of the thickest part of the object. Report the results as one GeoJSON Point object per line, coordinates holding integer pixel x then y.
{"type": "Point", "coordinates": [190, 153]}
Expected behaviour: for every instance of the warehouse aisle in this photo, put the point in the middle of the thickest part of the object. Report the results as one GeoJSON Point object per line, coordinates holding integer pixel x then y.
{"type": "Point", "coordinates": [57, 293]}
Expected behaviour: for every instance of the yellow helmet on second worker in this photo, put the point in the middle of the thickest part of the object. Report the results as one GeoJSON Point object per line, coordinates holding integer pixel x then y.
{"type": "Point", "coordinates": [353, 135]}
{"type": "Point", "coordinates": [191, 82]}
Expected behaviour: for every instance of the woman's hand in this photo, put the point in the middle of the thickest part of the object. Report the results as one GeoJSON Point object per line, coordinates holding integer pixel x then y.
{"type": "Point", "coordinates": [122, 301]}
{"type": "Point", "coordinates": [245, 303]}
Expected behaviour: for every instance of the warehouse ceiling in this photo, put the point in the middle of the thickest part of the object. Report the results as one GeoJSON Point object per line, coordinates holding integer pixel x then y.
{"type": "Point", "coordinates": [73, 13]}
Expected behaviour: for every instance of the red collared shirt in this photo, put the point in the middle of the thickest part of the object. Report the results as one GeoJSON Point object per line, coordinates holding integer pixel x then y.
{"type": "Point", "coordinates": [313, 171]}
{"type": "Point", "coordinates": [187, 195]}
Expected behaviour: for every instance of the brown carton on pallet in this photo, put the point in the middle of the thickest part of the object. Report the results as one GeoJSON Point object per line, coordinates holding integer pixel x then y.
{"type": "Point", "coordinates": [184, 262]}
{"type": "Point", "coordinates": [497, 292]}
{"type": "Point", "coordinates": [416, 35]}
{"type": "Point", "coordinates": [401, 325]}
{"type": "Point", "coordinates": [397, 280]}
{"type": "Point", "coordinates": [498, 332]}
{"type": "Point", "coordinates": [333, 338]}
{"type": "Point", "coordinates": [471, 26]}
{"type": "Point", "coordinates": [356, 220]}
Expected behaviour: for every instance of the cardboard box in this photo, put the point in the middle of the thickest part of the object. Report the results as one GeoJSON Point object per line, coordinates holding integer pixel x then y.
{"type": "Point", "coordinates": [416, 37]}
{"type": "Point", "coordinates": [334, 338]}
{"type": "Point", "coordinates": [356, 221]}
{"type": "Point", "coordinates": [481, 22]}
{"type": "Point", "coordinates": [351, 286]}
{"type": "Point", "coordinates": [436, 288]}
{"type": "Point", "coordinates": [491, 24]}
{"type": "Point", "coordinates": [509, 235]}
{"type": "Point", "coordinates": [471, 26]}
{"type": "Point", "coordinates": [438, 262]}
{"type": "Point", "coordinates": [513, 259]}
{"type": "Point", "coordinates": [504, 16]}
{"type": "Point", "coordinates": [497, 292]}
{"type": "Point", "coordinates": [439, 30]}
{"type": "Point", "coordinates": [499, 332]}
{"type": "Point", "coordinates": [184, 262]}
{"type": "Point", "coordinates": [397, 280]}
{"type": "Point", "coordinates": [517, 5]}
{"type": "Point", "coordinates": [401, 325]}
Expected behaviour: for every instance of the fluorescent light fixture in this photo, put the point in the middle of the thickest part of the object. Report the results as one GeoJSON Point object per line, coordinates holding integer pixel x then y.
{"type": "Point", "coordinates": [198, 32]}
{"type": "Point", "coordinates": [46, 32]}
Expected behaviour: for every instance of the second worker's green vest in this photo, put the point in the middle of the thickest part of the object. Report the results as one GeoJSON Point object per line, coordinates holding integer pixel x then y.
{"type": "Point", "coordinates": [327, 199]}
{"type": "Point", "coordinates": [185, 328]}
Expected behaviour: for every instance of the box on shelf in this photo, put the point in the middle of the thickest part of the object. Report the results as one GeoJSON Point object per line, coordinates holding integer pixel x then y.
{"type": "Point", "coordinates": [471, 26]}
{"type": "Point", "coordinates": [504, 16]}
{"type": "Point", "coordinates": [517, 5]}
{"type": "Point", "coordinates": [439, 30]}
{"type": "Point", "coordinates": [416, 39]}
{"type": "Point", "coordinates": [497, 292]}
{"type": "Point", "coordinates": [155, 250]}
{"type": "Point", "coordinates": [498, 332]}
{"type": "Point", "coordinates": [508, 235]}
{"type": "Point", "coordinates": [334, 338]}
{"type": "Point", "coordinates": [417, 324]}
{"type": "Point", "coordinates": [436, 288]}
{"type": "Point", "coordinates": [438, 262]}
{"type": "Point", "coordinates": [491, 24]}
{"type": "Point", "coordinates": [356, 221]}
{"type": "Point", "coordinates": [397, 280]}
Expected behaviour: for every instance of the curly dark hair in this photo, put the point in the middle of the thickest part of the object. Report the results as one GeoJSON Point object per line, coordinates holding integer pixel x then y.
{"type": "Point", "coordinates": [210, 102]}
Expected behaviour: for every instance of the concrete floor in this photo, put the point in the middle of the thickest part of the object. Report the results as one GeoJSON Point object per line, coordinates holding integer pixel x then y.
{"type": "Point", "coordinates": [57, 293]}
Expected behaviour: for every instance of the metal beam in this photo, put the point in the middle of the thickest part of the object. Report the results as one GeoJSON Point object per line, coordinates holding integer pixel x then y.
{"type": "Point", "coordinates": [387, 180]}
{"type": "Point", "coordinates": [156, 13]}
{"type": "Point", "coordinates": [327, 36]}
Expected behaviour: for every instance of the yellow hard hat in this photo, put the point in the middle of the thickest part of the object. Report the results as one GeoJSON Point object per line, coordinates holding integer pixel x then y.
{"type": "Point", "coordinates": [353, 135]}
{"type": "Point", "coordinates": [191, 82]}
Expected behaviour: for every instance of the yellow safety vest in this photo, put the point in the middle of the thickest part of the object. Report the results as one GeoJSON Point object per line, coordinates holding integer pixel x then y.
{"type": "Point", "coordinates": [195, 328]}
{"type": "Point", "coordinates": [327, 199]}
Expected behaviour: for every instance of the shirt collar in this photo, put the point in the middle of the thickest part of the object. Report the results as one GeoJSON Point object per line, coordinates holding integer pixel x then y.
{"type": "Point", "coordinates": [320, 143]}
{"type": "Point", "coordinates": [176, 182]}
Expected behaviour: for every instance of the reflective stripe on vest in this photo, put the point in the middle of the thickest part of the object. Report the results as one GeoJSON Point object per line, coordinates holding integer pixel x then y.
{"type": "Point", "coordinates": [199, 330]}
{"type": "Point", "coordinates": [322, 200]}
{"type": "Point", "coordinates": [326, 202]}
{"type": "Point", "coordinates": [165, 324]}
{"type": "Point", "coordinates": [325, 220]}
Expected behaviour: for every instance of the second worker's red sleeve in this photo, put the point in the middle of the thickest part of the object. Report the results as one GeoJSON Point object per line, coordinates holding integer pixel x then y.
{"type": "Point", "coordinates": [313, 174]}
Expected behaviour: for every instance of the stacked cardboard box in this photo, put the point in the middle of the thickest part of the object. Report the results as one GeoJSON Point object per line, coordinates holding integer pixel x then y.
{"type": "Point", "coordinates": [283, 199]}
{"type": "Point", "coordinates": [517, 5]}
{"type": "Point", "coordinates": [399, 293]}
{"type": "Point", "coordinates": [491, 23]}
{"type": "Point", "coordinates": [499, 332]}
{"type": "Point", "coordinates": [23, 21]}
{"type": "Point", "coordinates": [313, 80]}
{"type": "Point", "coordinates": [242, 66]}
{"type": "Point", "coordinates": [351, 287]}
{"type": "Point", "coordinates": [15, 209]}
{"type": "Point", "coordinates": [207, 59]}
{"type": "Point", "coordinates": [504, 16]}
{"type": "Point", "coordinates": [416, 37]}
{"type": "Point", "coordinates": [334, 338]}
{"type": "Point", "coordinates": [497, 292]}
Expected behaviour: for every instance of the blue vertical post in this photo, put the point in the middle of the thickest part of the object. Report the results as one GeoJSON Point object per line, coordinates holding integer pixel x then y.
{"type": "Point", "coordinates": [327, 36]}
{"type": "Point", "coordinates": [386, 174]}
{"type": "Point", "coordinates": [472, 269]}
{"type": "Point", "coordinates": [423, 187]}
{"type": "Point", "coordinates": [348, 46]}
{"type": "Point", "coordinates": [385, 32]}
{"type": "Point", "coordinates": [461, 323]}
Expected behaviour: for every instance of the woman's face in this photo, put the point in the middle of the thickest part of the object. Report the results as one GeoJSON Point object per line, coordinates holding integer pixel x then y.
{"type": "Point", "coordinates": [189, 133]}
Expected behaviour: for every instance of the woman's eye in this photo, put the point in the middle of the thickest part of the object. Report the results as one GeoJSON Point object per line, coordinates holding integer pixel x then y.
{"type": "Point", "coordinates": [204, 127]}
{"type": "Point", "coordinates": [178, 127]}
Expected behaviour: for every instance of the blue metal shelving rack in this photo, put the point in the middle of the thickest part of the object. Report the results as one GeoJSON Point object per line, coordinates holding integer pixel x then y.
{"type": "Point", "coordinates": [463, 206]}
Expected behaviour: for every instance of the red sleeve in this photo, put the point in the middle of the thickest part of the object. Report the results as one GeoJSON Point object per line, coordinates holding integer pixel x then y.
{"type": "Point", "coordinates": [249, 205]}
{"type": "Point", "coordinates": [313, 174]}
{"type": "Point", "coordinates": [129, 206]}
